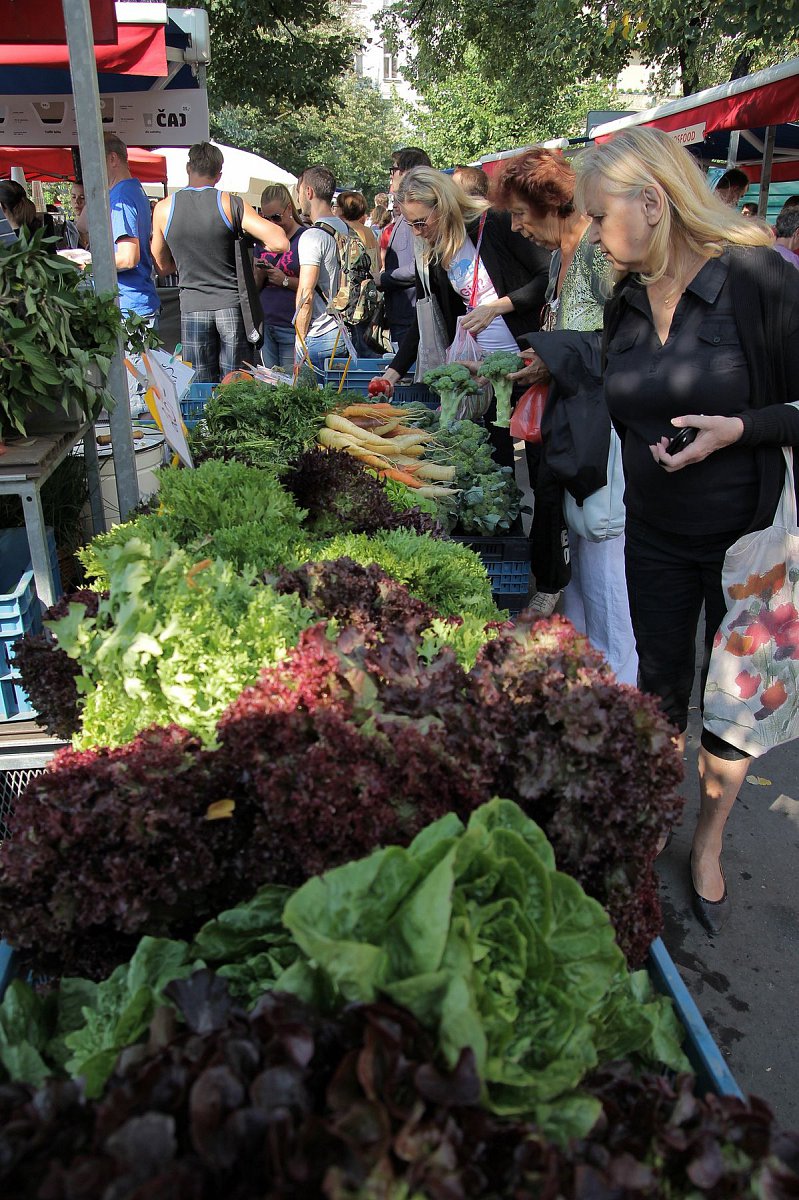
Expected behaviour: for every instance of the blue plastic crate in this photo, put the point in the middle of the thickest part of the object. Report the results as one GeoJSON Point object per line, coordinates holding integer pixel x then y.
{"type": "Point", "coordinates": [14, 700]}
{"type": "Point", "coordinates": [713, 1074]}
{"type": "Point", "coordinates": [509, 576]}
{"type": "Point", "coordinates": [20, 610]}
{"type": "Point", "coordinates": [358, 374]}
{"type": "Point", "coordinates": [193, 402]}
{"type": "Point", "coordinates": [415, 393]}
{"type": "Point", "coordinates": [7, 641]}
{"type": "Point", "coordinates": [497, 549]}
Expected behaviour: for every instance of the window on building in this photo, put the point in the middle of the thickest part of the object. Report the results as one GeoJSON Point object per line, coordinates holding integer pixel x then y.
{"type": "Point", "coordinates": [390, 66]}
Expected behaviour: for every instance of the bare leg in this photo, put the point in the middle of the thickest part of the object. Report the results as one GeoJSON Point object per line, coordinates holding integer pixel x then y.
{"type": "Point", "coordinates": [720, 781]}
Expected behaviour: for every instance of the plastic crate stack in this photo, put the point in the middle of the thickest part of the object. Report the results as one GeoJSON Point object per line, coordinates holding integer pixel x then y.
{"type": "Point", "coordinates": [507, 561]}
{"type": "Point", "coordinates": [20, 612]}
{"type": "Point", "coordinates": [362, 370]}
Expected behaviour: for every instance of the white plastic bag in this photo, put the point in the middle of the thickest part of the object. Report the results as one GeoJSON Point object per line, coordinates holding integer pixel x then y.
{"type": "Point", "coordinates": [464, 349]}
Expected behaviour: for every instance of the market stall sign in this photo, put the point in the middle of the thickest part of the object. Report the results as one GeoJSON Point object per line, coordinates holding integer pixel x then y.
{"type": "Point", "coordinates": [174, 117]}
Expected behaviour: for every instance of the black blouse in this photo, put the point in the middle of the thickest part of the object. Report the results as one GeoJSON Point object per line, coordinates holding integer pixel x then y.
{"type": "Point", "coordinates": [700, 369]}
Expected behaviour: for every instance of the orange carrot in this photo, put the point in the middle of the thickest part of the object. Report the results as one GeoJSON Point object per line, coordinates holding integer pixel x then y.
{"type": "Point", "coordinates": [400, 477]}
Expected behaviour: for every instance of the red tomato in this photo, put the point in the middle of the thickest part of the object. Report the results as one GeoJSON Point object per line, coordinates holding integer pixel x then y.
{"type": "Point", "coordinates": [378, 387]}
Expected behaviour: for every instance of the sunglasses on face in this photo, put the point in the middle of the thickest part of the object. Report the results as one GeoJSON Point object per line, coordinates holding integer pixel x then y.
{"type": "Point", "coordinates": [393, 170]}
{"type": "Point", "coordinates": [276, 217]}
{"type": "Point", "coordinates": [421, 223]}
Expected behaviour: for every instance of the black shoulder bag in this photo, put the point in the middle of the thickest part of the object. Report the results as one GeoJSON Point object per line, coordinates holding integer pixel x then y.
{"type": "Point", "coordinates": [249, 297]}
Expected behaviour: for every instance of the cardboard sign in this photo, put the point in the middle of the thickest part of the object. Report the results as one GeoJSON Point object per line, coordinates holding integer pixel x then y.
{"type": "Point", "coordinates": [168, 378]}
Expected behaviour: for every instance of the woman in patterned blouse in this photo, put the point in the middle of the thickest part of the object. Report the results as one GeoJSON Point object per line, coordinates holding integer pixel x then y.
{"type": "Point", "coordinates": [538, 189]}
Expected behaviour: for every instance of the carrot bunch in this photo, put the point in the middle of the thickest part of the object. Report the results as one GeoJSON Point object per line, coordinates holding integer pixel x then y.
{"type": "Point", "coordinates": [380, 436]}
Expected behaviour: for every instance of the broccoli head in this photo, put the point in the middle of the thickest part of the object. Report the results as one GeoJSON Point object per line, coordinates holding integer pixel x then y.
{"type": "Point", "coordinates": [496, 368]}
{"type": "Point", "coordinates": [451, 382]}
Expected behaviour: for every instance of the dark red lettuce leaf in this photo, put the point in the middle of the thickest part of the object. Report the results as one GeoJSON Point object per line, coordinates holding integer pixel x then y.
{"type": "Point", "coordinates": [341, 496]}
{"type": "Point", "coordinates": [48, 674]}
{"type": "Point", "coordinates": [285, 1104]}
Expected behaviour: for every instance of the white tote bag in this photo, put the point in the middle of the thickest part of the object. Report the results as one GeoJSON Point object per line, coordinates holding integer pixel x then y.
{"type": "Point", "coordinates": [601, 515]}
{"type": "Point", "coordinates": [752, 692]}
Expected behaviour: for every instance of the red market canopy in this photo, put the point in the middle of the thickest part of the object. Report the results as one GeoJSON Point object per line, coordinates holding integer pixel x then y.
{"type": "Point", "coordinates": [44, 21]}
{"type": "Point", "coordinates": [751, 105]}
{"type": "Point", "coordinates": [137, 50]}
{"type": "Point", "coordinates": [50, 164]}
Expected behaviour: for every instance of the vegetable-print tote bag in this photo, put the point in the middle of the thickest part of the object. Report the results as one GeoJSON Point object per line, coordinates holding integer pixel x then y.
{"type": "Point", "coordinates": [752, 692]}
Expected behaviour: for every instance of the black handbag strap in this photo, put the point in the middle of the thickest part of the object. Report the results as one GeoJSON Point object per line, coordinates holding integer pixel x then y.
{"type": "Point", "coordinates": [236, 214]}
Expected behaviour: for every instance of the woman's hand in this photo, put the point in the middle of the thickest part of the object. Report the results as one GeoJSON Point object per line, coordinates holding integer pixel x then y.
{"type": "Point", "coordinates": [479, 319]}
{"type": "Point", "coordinates": [388, 379]}
{"type": "Point", "coordinates": [534, 372]}
{"type": "Point", "coordinates": [714, 434]}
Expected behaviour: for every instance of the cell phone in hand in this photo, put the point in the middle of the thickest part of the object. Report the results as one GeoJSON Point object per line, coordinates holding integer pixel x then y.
{"type": "Point", "coordinates": [682, 439]}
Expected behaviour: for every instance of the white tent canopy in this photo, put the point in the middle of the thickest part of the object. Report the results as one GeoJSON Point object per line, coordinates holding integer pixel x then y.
{"type": "Point", "coordinates": [243, 173]}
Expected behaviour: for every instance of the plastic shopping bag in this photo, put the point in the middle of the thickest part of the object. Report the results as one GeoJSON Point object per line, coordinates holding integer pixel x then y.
{"type": "Point", "coordinates": [464, 349]}
{"type": "Point", "coordinates": [751, 697]}
{"type": "Point", "coordinates": [525, 423]}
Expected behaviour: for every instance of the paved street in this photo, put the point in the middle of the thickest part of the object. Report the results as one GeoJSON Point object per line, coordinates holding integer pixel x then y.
{"type": "Point", "coordinates": [746, 981]}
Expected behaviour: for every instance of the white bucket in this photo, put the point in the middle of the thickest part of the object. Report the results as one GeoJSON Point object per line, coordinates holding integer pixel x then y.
{"type": "Point", "coordinates": [149, 452]}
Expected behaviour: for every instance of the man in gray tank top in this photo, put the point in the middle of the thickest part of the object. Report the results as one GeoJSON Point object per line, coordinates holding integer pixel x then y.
{"type": "Point", "coordinates": [193, 235]}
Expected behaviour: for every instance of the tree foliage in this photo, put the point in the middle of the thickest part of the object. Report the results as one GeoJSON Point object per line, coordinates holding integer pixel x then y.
{"type": "Point", "coordinates": [536, 50]}
{"type": "Point", "coordinates": [353, 133]}
{"type": "Point", "coordinates": [470, 114]}
{"type": "Point", "coordinates": [269, 52]}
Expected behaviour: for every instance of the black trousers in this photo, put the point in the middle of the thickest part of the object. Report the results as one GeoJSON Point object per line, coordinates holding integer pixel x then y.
{"type": "Point", "coordinates": [549, 538]}
{"type": "Point", "coordinates": [670, 576]}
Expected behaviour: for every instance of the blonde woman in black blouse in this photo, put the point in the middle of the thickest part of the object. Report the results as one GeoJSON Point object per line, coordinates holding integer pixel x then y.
{"type": "Point", "coordinates": [687, 342]}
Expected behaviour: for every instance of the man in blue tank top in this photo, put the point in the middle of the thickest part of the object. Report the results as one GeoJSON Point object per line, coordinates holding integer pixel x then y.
{"type": "Point", "coordinates": [130, 231]}
{"type": "Point", "coordinates": [193, 235]}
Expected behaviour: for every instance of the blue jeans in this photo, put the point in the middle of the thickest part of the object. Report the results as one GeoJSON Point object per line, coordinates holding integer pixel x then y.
{"type": "Point", "coordinates": [319, 350]}
{"type": "Point", "coordinates": [278, 347]}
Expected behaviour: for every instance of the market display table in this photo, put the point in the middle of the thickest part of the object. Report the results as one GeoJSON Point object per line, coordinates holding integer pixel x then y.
{"type": "Point", "coordinates": [26, 465]}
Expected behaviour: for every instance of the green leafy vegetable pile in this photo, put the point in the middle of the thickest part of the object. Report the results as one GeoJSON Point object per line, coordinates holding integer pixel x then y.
{"type": "Point", "coordinates": [261, 425]}
{"type": "Point", "coordinates": [488, 499]}
{"type": "Point", "coordinates": [291, 1105]}
{"type": "Point", "coordinates": [472, 930]}
{"type": "Point", "coordinates": [448, 576]}
{"type": "Point", "coordinates": [173, 640]}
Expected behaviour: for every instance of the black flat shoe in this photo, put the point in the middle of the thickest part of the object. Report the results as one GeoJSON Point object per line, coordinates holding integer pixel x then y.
{"type": "Point", "coordinates": [712, 915]}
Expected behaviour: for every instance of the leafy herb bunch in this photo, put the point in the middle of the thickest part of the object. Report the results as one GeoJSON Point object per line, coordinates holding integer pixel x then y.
{"type": "Point", "coordinates": [53, 329]}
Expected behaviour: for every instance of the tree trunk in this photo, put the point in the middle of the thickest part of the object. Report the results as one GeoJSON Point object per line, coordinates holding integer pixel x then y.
{"type": "Point", "coordinates": [689, 76]}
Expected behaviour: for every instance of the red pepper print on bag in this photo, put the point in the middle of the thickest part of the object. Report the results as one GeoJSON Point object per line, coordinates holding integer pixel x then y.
{"type": "Point", "coordinates": [763, 586]}
{"type": "Point", "coordinates": [772, 698]}
{"type": "Point", "coordinates": [758, 630]}
{"type": "Point", "coordinates": [747, 684]}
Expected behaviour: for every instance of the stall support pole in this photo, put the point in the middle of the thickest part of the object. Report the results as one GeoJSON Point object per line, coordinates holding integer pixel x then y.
{"type": "Point", "coordinates": [732, 150]}
{"type": "Point", "coordinates": [80, 39]}
{"type": "Point", "coordinates": [765, 170]}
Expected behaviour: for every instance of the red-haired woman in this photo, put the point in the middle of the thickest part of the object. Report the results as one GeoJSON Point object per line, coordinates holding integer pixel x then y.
{"type": "Point", "coordinates": [537, 187]}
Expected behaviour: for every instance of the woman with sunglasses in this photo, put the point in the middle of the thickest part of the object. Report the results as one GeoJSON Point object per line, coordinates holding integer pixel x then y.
{"type": "Point", "coordinates": [277, 275]}
{"type": "Point", "coordinates": [511, 274]}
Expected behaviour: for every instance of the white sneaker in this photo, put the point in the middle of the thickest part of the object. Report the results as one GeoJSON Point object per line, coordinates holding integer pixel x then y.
{"type": "Point", "coordinates": [544, 603]}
